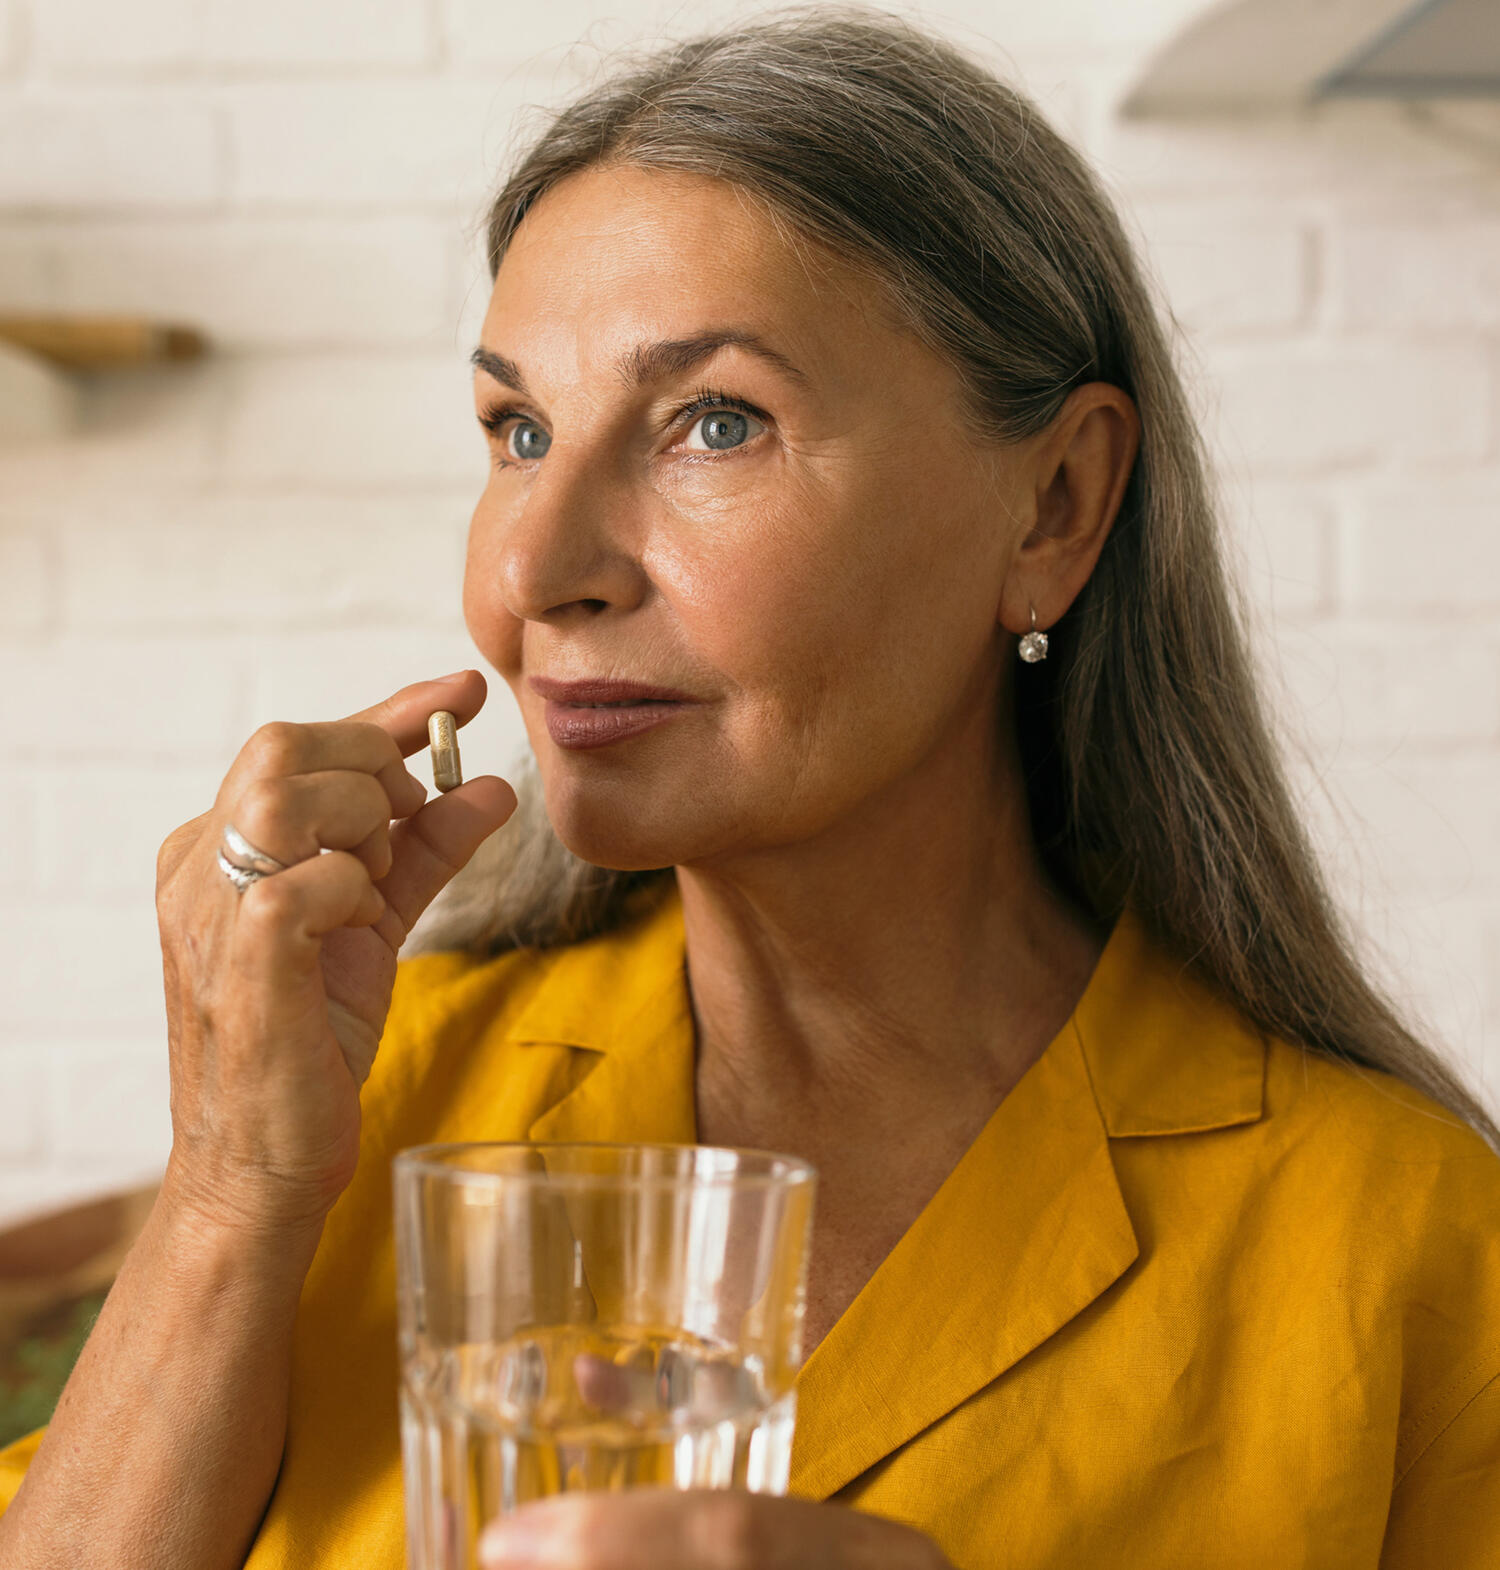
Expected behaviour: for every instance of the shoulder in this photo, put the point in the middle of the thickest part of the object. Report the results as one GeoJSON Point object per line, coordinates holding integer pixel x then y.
{"type": "Point", "coordinates": [1171, 1054]}
{"type": "Point", "coordinates": [1327, 1200]}
{"type": "Point", "coordinates": [1398, 1146]}
{"type": "Point", "coordinates": [1412, 1186]}
{"type": "Point", "coordinates": [1402, 1197]}
{"type": "Point", "coordinates": [1414, 1178]}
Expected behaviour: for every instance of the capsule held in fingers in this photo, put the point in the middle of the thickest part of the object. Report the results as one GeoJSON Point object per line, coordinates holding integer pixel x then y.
{"type": "Point", "coordinates": [442, 732]}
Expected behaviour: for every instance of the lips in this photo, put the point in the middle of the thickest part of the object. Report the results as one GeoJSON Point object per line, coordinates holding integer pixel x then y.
{"type": "Point", "coordinates": [589, 693]}
{"type": "Point", "coordinates": [579, 727]}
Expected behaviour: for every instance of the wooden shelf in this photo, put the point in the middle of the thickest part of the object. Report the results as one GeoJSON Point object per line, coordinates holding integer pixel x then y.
{"type": "Point", "coordinates": [95, 343]}
{"type": "Point", "coordinates": [40, 354]}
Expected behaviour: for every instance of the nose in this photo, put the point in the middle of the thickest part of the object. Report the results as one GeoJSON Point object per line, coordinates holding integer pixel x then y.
{"type": "Point", "coordinates": [562, 546]}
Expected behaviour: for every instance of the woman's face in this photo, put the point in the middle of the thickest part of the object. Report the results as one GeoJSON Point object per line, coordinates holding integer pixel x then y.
{"type": "Point", "coordinates": [821, 575]}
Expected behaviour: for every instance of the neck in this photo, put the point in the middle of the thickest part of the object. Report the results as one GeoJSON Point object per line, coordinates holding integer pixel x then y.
{"type": "Point", "coordinates": [917, 945]}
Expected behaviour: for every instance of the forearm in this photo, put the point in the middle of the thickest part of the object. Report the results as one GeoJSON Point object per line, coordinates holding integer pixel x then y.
{"type": "Point", "coordinates": [167, 1439]}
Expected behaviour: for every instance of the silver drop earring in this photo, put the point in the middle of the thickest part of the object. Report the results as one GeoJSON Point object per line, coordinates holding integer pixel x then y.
{"type": "Point", "coordinates": [1033, 644]}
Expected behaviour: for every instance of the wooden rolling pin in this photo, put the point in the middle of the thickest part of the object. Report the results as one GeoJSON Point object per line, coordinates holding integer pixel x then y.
{"type": "Point", "coordinates": [92, 343]}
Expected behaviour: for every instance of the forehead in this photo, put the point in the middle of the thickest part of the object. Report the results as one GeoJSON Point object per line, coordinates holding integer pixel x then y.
{"type": "Point", "coordinates": [615, 254]}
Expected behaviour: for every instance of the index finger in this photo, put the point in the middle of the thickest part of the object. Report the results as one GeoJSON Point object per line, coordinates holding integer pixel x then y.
{"type": "Point", "coordinates": [403, 715]}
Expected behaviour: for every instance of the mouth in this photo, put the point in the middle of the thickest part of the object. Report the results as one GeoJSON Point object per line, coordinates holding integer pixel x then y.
{"type": "Point", "coordinates": [599, 694]}
{"type": "Point", "coordinates": [583, 726]}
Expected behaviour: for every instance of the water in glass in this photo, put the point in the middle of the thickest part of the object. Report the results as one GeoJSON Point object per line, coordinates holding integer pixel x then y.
{"type": "Point", "coordinates": [487, 1427]}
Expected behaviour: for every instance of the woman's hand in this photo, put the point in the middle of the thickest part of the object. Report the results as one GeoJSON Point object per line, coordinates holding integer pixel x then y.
{"type": "Point", "coordinates": [700, 1529]}
{"type": "Point", "coordinates": [276, 997]}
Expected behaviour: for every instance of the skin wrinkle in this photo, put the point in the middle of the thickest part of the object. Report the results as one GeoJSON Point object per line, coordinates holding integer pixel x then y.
{"type": "Point", "coordinates": [843, 592]}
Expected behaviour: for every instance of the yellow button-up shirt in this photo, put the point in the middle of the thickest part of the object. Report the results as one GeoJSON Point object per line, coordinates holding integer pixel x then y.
{"type": "Point", "coordinates": [1191, 1298]}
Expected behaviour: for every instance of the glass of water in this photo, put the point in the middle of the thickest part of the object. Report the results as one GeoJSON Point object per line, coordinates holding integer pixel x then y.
{"type": "Point", "coordinates": [592, 1316]}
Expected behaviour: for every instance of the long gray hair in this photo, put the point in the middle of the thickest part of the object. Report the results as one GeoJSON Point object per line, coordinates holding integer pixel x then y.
{"type": "Point", "coordinates": [1150, 768]}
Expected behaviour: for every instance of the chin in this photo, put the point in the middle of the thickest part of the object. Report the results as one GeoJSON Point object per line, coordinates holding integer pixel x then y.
{"type": "Point", "coordinates": [606, 826]}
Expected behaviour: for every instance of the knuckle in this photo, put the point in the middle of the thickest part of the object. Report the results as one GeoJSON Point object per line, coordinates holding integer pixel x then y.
{"type": "Point", "coordinates": [264, 803]}
{"type": "Point", "coordinates": [275, 748]}
{"type": "Point", "coordinates": [378, 739]}
{"type": "Point", "coordinates": [273, 901]}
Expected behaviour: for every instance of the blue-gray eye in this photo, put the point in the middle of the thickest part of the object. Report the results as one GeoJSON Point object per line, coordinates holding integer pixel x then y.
{"type": "Point", "coordinates": [534, 447]}
{"type": "Point", "coordinates": [723, 429]}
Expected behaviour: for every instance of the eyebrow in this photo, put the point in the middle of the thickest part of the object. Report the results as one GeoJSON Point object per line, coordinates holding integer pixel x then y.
{"type": "Point", "coordinates": [652, 362]}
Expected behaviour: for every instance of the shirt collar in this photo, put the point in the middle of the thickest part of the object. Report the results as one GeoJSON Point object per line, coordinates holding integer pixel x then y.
{"type": "Point", "coordinates": [1024, 1236]}
{"type": "Point", "coordinates": [1165, 1054]}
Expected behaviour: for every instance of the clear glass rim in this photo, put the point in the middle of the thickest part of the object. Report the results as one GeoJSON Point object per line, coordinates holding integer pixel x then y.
{"type": "Point", "coordinates": [785, 1172]}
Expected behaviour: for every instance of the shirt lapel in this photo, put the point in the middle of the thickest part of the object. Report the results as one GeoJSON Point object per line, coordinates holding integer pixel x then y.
{"type": "Point", "coordinates": [1166, 1054]}
{"type": "Point", "coordinates": [1030, 1229]}
{"type": "Point", "coordinates": [1026, 1233]}
{"type": "Point", "coordinates": [629, 1002]}
{"type": "Point", "coordinates": [1027, 1230]}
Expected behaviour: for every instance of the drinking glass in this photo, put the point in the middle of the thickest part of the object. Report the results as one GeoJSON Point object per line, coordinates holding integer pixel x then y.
{"type": "Point", "coordinates": [592, 1316]}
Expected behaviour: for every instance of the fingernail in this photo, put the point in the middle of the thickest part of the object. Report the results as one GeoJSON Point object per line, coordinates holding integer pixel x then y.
{"type": "Point", "coordinates": [510, 1543]}
{"type": "Point", "coordinates": [456, 676]}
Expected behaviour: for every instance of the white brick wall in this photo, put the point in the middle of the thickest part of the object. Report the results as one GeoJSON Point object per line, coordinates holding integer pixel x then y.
{"type": "Point", "coordinates": [1319, 405]}
{"type": "Point", "coordinates": [1425, 548]}
{"type": "Point", "coordinates": [303, 183]}
{"type": "Point", "coordinates": [1446, 274]}
{"type": "Point", "coordinates": [406, 144]}
{"type": "Point", "coordinates": [275, 35]}
{"type": "Point", "coordinates": [166, 562]}
{"type": "Point", "coordinates": [1241, 269]}
{"type": "Point", "coordinates": [298, 283]}
{"type": "Point", "coordinates": [18, 836]}
{"type": "Point", "coordinates": [10, 39]}
{"type": "Point", "coordinates": [340, 419]}
{"type": "Point", "coordinates": [108, 152]}
{"type": "Point", "coordinates": [27, 581]}
{"type": "Point", "coordinates": [25, 1123]}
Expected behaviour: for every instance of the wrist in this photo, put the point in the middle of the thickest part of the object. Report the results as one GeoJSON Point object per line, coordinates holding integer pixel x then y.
{"type": "Point", "coordinates": [201, 1216]}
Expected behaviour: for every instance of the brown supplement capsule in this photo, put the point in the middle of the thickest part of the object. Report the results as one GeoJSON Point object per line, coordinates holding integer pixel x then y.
{"type": "Point", "coordinates": [442, 732]}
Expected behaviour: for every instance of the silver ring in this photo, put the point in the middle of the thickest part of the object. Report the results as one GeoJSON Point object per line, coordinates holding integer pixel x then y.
{"type": "Point", "coordinates": [243, 855]}
{"type": "Point", "coordinates": [241, 877]}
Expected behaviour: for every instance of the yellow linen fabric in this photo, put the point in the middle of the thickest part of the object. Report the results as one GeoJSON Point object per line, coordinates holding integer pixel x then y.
{"type": "Point", "coordinates": [1191, 1298]}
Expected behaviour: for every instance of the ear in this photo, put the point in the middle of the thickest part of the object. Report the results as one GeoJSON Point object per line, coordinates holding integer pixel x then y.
{"type": "Point", "coordinates": [1079, 468]}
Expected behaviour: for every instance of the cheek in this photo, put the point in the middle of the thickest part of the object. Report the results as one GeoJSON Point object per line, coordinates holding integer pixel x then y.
{"type": "Point", "coordinates": [850, 643]}
{"type": "Point", "coordinates": [799, 607]}
{"type": "Point", "coordinates": [802, 631]}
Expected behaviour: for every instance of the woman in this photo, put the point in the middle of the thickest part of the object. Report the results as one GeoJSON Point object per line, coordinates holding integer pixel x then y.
{"type": "Point", "coordinates": [819, 381]}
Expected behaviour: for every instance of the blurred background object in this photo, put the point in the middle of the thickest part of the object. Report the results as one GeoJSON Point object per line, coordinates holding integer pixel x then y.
{"type": "Point", "coordinates": [303, 185]}
{"type": "Point", "coordinates": [36, 399]}
{"type": "Point", "coordinates": [1282, 54]}
{"type": "Point", "coordinates": [97, 343]}
{"type": "Point", "coordinates": [54, 1274]}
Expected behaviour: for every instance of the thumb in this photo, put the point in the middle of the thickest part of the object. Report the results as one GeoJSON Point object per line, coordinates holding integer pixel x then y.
{"type": "Point", "coordinates": [429, 847]}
